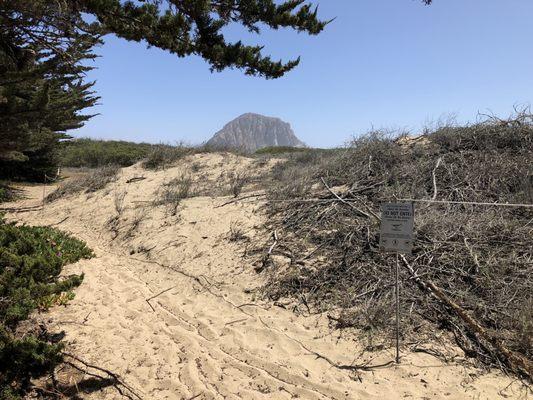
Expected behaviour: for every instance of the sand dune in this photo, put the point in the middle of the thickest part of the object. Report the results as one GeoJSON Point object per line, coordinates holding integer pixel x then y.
{"type": "Point", "coordinates": [203, 334]}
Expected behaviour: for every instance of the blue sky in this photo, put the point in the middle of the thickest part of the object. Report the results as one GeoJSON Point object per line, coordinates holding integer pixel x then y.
{"type": "Point", "coordinates": [381, 63]}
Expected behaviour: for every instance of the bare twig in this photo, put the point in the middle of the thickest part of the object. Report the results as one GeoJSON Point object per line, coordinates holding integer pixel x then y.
{"type": "Point", "coordinates": [157, 295]}
{"type": "Point", "coordinates": [119, 384]}
{"type": "Point", "coordinates": [359, 211]}
{"type": "Point", "coordinates": [136, 179]}
{"type": "Point", "coordinates": [240, 199]}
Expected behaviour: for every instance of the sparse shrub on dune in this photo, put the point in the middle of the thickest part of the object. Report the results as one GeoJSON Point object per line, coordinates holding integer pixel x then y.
{"type": "Point", "coordinates": [113, 221]}
{"type": "Point", "coordinates": [236, 233]}
{"type": "Point", "coordinates": [93, 181]}
{"type": "Point", "coordinates": [237, 180]}
{"type": "Point", "coordinates": [138, 217]}
{"type": "Point", "coordinates": [196, 167]}
{"type": "Point", "coordinates": [172, 193]}
{"type": "Point", "coordinates": [118, 202]}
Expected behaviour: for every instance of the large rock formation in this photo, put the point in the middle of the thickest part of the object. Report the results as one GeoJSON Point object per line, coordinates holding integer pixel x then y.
{"type": "Point", "coordinates": [250, 132]}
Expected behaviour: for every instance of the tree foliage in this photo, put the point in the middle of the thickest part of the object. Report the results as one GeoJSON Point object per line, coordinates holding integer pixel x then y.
{"type": "Point", "coordinates": [187, 27]}
{"type": "Point", "coordinates": [42, 88]}
{"type": "Point", "coordinates": [182, 27]}
{"type": "Point", "coordinates": [45, 46]}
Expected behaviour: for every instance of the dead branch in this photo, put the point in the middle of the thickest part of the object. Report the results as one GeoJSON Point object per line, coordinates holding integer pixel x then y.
{"type": "Point", "coordinates": [434, 176]}
{"type": "Point", "coordinates": [240, 199]}
{"type": "Point", "coordinates": [119, 384]}
{"type": "Point", "coordinates": [515, 361]}
{"type": "Point", "coordinates": [482, 181]}
{"type": "Point", "coordinates": [136, 179]}
{"type": "Point", "coordinates": [266, 258]}
{"type": "Point", "coordinates": [473, 255]}
{"type": "Point", "coordinates": [21, 209]}
{"type": "Point", "coordinates": [157, 295]}
{"type": "Point", "coordinates": [275, 236]}
{"type": "Point", "coordinates": [359, 211]}
{"type": "Point", "coordinates": [60, 222]}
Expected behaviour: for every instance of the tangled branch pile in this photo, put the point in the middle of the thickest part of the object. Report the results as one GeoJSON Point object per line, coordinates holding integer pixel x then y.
{"type": "Point", "coordinates": [481, 257]}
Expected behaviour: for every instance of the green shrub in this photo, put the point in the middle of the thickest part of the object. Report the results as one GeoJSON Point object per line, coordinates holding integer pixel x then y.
{"type": "Point", "coordinates": [31, 259]}
{"type": "Point", "coordinates": [98, 153]}
{"type": "Point", "coordinates": [161, 156]}
{"type": "Point", "coordinates": [273, 150]}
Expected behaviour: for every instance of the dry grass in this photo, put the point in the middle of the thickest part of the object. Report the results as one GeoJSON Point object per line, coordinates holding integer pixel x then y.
{"type": "Point", "coordinates": [118, 202]}
{"type": "Point", "coordinates": [93, 181]}
{"type": "Point", "coordinates": [236, 233]}
{"type": "Point", "coordinates": [237, 181]}
{"type": "Point", "coordinates": [172, 193]}
{"type": "Point", "coordinates": [139, 216]}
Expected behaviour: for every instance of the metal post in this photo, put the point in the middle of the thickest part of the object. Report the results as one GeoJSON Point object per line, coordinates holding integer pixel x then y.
{"type": "Point", "coordinates": [397, 295]}
{"type": "Point", "coordinates": [44, 191]}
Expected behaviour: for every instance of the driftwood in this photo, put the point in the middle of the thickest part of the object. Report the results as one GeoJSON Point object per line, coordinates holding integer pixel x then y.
{"type": "Point", "coordinates": [516, 362]}
{"type": "Point", "coordinates": [434, 177]}
{"type": "Point", "coordinates": [21, 209]}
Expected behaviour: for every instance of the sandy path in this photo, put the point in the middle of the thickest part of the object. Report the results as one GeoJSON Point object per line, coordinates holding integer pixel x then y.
{"type": "Point", "coordinates": [206, 337]}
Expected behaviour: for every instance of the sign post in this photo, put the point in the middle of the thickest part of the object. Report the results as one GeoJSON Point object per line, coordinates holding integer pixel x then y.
{"type": "Point", "coordinates": [396, 236]}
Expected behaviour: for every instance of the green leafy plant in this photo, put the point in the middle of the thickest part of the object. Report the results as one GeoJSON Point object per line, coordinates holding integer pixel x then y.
{"type": "Point", "coordinates": [31, 260]}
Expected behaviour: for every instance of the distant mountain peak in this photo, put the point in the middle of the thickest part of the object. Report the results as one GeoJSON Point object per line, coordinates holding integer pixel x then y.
{"type": "Point", "coordinates": [251, 131]}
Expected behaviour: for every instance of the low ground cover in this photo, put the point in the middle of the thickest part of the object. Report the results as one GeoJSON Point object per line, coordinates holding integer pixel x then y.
{"type": "Point", "coordinates": [31, 260]}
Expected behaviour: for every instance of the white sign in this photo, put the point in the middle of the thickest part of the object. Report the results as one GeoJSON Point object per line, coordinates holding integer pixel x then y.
{"type": "Point", "coordinates": [397, 221]}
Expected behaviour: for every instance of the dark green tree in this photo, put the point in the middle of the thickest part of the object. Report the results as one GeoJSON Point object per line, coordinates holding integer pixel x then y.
{"type": "Point", "coordinates": [183, 27]}
{"type": "Point", "coordinates": [41, 84]}
{"type": "Point", "coordinates": [44, 45]}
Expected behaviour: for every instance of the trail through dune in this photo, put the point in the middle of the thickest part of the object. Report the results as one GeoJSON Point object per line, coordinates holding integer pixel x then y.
{"type": "Point", "coordinates": [168, 304]}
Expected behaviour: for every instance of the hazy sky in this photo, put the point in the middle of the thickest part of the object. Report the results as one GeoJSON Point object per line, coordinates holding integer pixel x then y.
{"type": "Point", "coordinates": [381, 63]}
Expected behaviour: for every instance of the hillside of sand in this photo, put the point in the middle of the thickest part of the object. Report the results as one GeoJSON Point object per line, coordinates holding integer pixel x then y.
{"type": "Point", "coordinates": [170, 303]}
